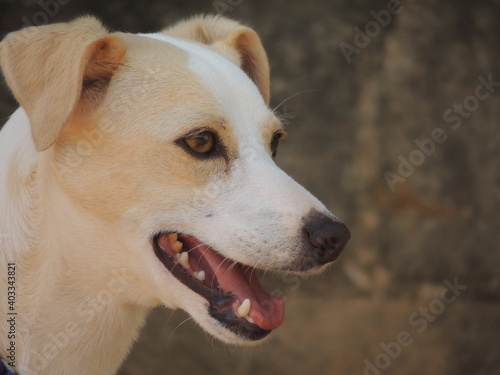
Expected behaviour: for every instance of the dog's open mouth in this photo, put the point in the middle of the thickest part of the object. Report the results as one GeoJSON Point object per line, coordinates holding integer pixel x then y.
{"type": "Point", "coordinates": [236, 298]}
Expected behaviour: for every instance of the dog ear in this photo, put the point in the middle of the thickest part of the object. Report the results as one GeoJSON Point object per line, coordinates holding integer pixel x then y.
{"type": "Point", "coordinates": [57, 70]}
{"type": "Point", "coordinates": [240, 44]}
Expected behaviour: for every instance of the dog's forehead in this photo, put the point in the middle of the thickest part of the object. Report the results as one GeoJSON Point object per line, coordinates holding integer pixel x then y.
{"type": "Point", "coordinates": [235, 93]}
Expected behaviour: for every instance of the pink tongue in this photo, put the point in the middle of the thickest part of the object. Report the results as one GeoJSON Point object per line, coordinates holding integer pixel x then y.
{"type": "Point", "coordinates": [266, 311]}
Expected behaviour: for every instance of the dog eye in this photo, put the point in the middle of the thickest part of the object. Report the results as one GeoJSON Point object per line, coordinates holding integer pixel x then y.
{"type": "Point", "coordinates": [275, 141]}
{"type": "Point", "coordinates": [202, 143]}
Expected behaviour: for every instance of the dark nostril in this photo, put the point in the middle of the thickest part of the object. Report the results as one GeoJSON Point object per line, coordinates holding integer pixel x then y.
{"type": "Point", "coordinates": [327, 236]}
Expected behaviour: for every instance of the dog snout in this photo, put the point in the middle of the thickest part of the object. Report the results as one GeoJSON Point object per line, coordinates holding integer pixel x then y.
{"type": "Point", "coordinates": [327, 237]}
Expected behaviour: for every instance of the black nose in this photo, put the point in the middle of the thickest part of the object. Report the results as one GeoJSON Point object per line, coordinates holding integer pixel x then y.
{"type": "Point", "coordinates": [327, 236]}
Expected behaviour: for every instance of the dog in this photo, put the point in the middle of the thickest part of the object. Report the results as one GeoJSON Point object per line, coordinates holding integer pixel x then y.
{"type": "Point", "coordinates": [139, 172]}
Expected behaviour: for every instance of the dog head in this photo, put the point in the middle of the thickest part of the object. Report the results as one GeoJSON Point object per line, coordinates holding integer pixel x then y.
{"type": "Point", "coordinates": [168, 139]}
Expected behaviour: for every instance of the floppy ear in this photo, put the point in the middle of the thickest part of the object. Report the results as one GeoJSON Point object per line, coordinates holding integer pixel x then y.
{"type": "Point", "coordinates": [237, 42]}
{"type": "Point", "coordinates": [58, 69]}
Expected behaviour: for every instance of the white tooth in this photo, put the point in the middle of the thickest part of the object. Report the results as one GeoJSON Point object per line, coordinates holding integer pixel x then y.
{"type": "Point", "coordinates": [173, 237]}
{"type": "Point", "coordinates": [244, 308]}
{"type": "Point", "coordinates": [200, 275]}
{"type": "Point", "coordinates": [250, 320]}
{"type": "Point", "coordinates": [176, 246]}
{"type": "Point", "coordinates": [184, 260]}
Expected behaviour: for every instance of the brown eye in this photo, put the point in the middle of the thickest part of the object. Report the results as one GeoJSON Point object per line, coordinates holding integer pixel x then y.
{"type": "Point", "coordinates": [274, 142]}
{"type": "Point", "coordinates": [201, 143]}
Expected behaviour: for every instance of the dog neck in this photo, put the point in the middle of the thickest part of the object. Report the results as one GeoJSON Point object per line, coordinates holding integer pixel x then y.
{"type": "Point", "coordinates": [69, 302]}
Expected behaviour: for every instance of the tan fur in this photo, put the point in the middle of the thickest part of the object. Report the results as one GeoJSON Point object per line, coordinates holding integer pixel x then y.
{"type": "Point", "coordinates": [234, 41]}
{"type": "Point", "coordinates": [144, 145]}
{"type": "Point", "coordinates": [49, 96]}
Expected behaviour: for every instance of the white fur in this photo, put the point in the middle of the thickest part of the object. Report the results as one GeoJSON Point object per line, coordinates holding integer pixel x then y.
{"type": "Point", "coordinates": [18, 151]}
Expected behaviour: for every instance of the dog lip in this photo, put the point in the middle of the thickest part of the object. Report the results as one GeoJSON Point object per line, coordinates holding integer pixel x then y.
{"type": "Point", "coordinates": [238, 282]}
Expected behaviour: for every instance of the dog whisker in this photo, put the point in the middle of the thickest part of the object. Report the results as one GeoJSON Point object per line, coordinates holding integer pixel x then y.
{"type": "Point", "coordinates": [219, 266]}
{"type": "Point", "coordinates": [293, 96]}
{"type": "Point", "coordinates": [176, 328]}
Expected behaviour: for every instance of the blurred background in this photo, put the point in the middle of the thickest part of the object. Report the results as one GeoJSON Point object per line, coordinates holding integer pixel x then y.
{"type": "Point", "coordinates": [392, 109]}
